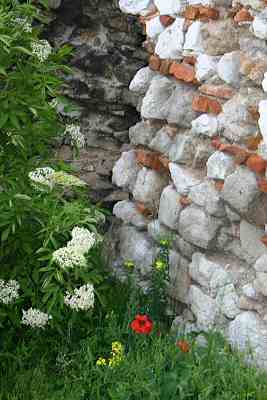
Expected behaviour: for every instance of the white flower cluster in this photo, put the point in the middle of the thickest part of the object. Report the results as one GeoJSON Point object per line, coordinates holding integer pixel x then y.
{"type": "Point", "coordinates": [41, 49]}
{"type": "Point", "coordinates": [69, 257]}
{"type": "Point", "coordinates": [42, 176]}
{"type": "Point", "coordinates": [82, 239]}
{"type": "Point", "coordinates": [9, 291]}
{"type": "Point", "coordinates": [76, 136]}
{"type": "Point", "coordinates": [63, 179]}
{"type": "Point", "coordinates": [82, 298]}
{"type": "Point", "coordinates": [35, 318]}
{"type": "Point", "coordinates": [24, 24]}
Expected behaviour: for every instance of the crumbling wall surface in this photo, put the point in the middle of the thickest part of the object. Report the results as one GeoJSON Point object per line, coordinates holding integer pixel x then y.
{"type": "Point", "coordinates": [196, 170]}
{"type": "Point", "coordinates": [107, 51]}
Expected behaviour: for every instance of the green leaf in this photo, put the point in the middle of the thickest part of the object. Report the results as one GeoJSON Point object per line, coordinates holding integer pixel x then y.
{"type": "Point", "coordinates": [21, 196]}
{"type": "Point", "coordinates": [5, 234]}
{"type": "Point", "coordinates": [3, 71]}
{"type": "Point", "coordinates": [22, 50]}
{"type": "Point", "coordinates": [3, 119]}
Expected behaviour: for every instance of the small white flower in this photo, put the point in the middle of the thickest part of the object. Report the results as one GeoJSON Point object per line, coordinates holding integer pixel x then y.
{"type": "Point", "coordinates": [9, 291]}
{"type": "Point", "coordinates": [41, 49]}
{"type": "Point", "coordinates": [82, 298]}
{"type": "Point", "coordinates": [82, 239]}
{"type": "Point", "coordinates": [69, 257]}
{"type": "Point", "coordinates": [35, 318]}
{"type": "Point", "coordinates": [54, 103]}
{"type": "Point", "coordinates": [42, 176]}
{"type": "Point", "coordinates": [24, 24]}
{"type": "Point", "coordinates": [76, 136]}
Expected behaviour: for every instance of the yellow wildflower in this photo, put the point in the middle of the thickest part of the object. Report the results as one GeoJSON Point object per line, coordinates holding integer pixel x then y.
{"type": "Point", "coordinates": [160, 265]}
{"type": "Point", "coordinates": [101, 361]}
{"type": "Point", "coordinates": [117, 348]}
{"type": "Point", "coordinates": [129, 264]}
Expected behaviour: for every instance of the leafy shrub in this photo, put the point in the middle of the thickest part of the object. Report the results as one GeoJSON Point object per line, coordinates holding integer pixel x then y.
{"type": "Point", "coordinates": [50, 247]}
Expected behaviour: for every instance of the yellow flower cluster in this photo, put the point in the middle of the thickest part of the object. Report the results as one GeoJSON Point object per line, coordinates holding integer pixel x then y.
{"type": "Point", "coordinates": [160, 265]}
{"type": "Point", "coordinates": [117, 354]}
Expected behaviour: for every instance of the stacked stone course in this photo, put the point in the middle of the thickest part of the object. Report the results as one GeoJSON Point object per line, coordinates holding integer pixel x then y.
{"type": "Point", "coordinates": [197, 168]}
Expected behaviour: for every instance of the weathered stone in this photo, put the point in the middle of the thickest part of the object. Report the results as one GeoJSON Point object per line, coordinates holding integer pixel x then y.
{"type": "Point", "coordinates": [206, 67]}
{"type": "Point", "coordinates": [193, 39]}
{"type": "Point", "coordinates": [261, 264]}
{"type": "Point", "coordinates": [183, 178]}
{"type": "Point", "coordinates": [133, 6]}
{"type": "Point", "coordinates": [179, 278]}
{"type": "Point", "coordinates": [249, 291]}
{"type": "Point", "coordinates": [240, 189]}
{"type": "Point", "coordinates": [148, 187]}
{"type": "Point", "coordinates": [136, 246]}
{"type": "Point", "coordinates": [169, 7]}
{"type": "Point", "coordinates": [170, 42]}
{"type": "Point", "coordinates": [206, 125]}
{"type": "Point", "coordinates": [161, 142]}
{"type": "Point", "coordinates": [205, 195]}
{"type": "Point", "coordinates": [204, 308]}
{"type": "Point", "coordinates": [248, 333]}
{"type": "Point", "coordinates": [228, 301]}
{"type": "Point", "coordinates": [220, 165]}
{"type": "Point", "coordinates": [125, 170]}
{"type": "Point", "coordinates": [159, 92]}
{"type": "Point", "coordinates": [263, 119]}
{"type": "Point", "coordinates": [260, 283]}
{"type": "Point", "coordinates": [198, 228]}
{"type": "Point", "coordinates": [181, 151]}
{"type": "Point", "coordinates": [259, 25]}
{"type": "Point", "coordinates": [212, 34]}
{"type": "Point", "coordinates": [250, 237]}
{"type": "Point", "coordinates": [206, 273]}
{"type": "Point", "coordinates": [127, 211]}
{"type": "Point", "coordinates": [154, 28]}
{"type": "Point", "coordinates": [142, 133]}
{"type": "Point", "coordinates": [169, 208]}
{"type": "Point", "coordinates": [141, 81]}
{"type": "Point", "coordinates": [228, 68]}
{"type": "Point", "coordinates": [220, 91]}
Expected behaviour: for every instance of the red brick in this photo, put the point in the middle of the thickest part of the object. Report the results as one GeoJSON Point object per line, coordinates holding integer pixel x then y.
{"type": "Point", "coordinates": [243, 15]}
{"type": "Point", "coordinates": [262, 185]}
{"type": "Point", "coordinates": [205, 104]}
{"type": "Point", "coordinates": [221, 91]}
{"type": "Point", "coordinates": [149, 159]}
{"type": "Point", "coordinates": [183, 72]}
{"type": "Point", "coordinates": [240, 154]}
{"type": "Point", "coordinates": [166, 20]}
{"type": "Point", "coordinates": [256, 163]}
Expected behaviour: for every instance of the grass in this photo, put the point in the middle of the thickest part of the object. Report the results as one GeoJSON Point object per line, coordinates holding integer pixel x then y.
{"type": "Point", "coordinates": [42, 368]}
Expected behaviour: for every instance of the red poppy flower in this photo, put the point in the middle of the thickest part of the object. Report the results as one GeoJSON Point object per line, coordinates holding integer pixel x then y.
{"type": "Point", "coordinates": [142, 324]}
{"type": "Point", "coordinates": [183, 346]}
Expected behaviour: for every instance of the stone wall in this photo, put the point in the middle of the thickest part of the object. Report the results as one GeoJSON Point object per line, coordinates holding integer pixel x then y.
{"type": "Point", "coordinates": [196, 170]}
{"type": "Point", "coordinates": [107, 51]}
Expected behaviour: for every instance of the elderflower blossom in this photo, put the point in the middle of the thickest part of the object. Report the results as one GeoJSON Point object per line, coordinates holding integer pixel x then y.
{"type": "Point", "coordinates": [24, 24]}
{"type": "Point", "coordinates": [76, 136]}
{"type": "Point", "coordinates": [64, 179]}
{"type": "Point", "coordinates": [35, 318]}
{"type": "Point", "coordinates": [8, 291]}
{"type": "Point", "coordinates": [69, 257]}
{"type": "Point", "coordinates": [41, 49]}
{"type": "Point", "coordinates": [42, 176]}
{"type": "Point", "coordinates": [82, 298]}
{"type": "Point", "coordinates": [82, 239]}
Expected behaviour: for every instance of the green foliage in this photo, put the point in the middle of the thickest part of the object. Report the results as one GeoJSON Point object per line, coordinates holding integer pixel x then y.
{"type": "Point", "coordinates": [36, 220]}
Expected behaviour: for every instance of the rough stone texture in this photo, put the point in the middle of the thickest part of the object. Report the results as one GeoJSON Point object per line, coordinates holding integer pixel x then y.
{"type": "Point", "coordinates": [197, 227]}
{"type": "Point", "coordinates": [203, 108]}
{"type": "Point", "coordinates": [240, 190]}
{"type": "Point", "coordinates": [220, 165]}
{"type": "Point", "coordinates": [248, 331]}
{"type": "Point", "coordinates": [127, 211]}
{"type": "Point", "coordinates": [126, 170]}
{"type": "Point", "coordinates": [148, 187]}
{"type": "Point", "coordinates": [169, 208]}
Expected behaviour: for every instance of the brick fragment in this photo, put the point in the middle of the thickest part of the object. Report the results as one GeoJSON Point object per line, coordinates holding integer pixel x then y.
{"type": "Point", "coordinates": [243, 15]}
{"type": "Point", "coordinates": [256, 163]}
{"type": "Point", "coordinates": [183, 72]}
{"type": "Point", "coordinates": [206, 105]}
{"type": "Point", "coordinates": [154, 63]}
{"type": "Point", "coordinates": [221, 91]}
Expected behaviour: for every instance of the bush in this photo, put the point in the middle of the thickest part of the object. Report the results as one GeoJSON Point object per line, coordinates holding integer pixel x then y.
{"type": "Point", "coordinates": [50, 247]}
